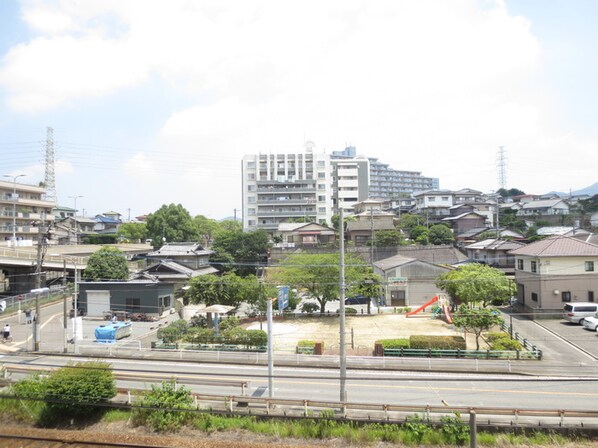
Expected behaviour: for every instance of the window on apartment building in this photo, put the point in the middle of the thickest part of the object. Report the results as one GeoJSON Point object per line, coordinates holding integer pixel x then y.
{"type": "Point", "coordinates": [534, 297]}
{"type": "Point", "coordinates": [251, 176]}
{"type": "Point", "coordinates": [321, 186]}
{"type": "Point", "coordinates": [445, 198]}
{"type": "Point", "coordinates": [250, 164]}
{"type": "Point", "coordinates": [251, 222]}
{"type": "Point", "coordinates": [431, 199]}
{"type": "Point", "coordinates": [251, 199]}
{"type": "Point", "coordinates": [566, 296]}
{"type": "Point", "coordinates": [534, 266]}
{"type": "Point", "coordinates": [321, 163]}
{"type": "Point", "coordinates": [321, 175]}
{"type": "Point", "coordinates": [520, 265]}
{"type": "Point", "coordinates": [251, 211]}
{"type": "Point", "coordinates": [589, 266]}
{"type": "Point", "coordinates": [251, 187]}
{"type": "Point", "coordinates": [321, 198]}
{"type": "Point", "coordinates": [321, 209]}
{"type": "Point", "coordinates": [590, 296]}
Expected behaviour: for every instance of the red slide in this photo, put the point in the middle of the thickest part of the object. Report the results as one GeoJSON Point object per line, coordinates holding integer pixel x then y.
{"type": "Point", "coordinates": [447, 314]}
{"type": "Point", "coordinates": [428, 303]}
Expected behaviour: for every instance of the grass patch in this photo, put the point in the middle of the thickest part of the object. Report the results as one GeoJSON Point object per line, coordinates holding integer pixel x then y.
{"type": "Point", "coordinates": [116, 415]}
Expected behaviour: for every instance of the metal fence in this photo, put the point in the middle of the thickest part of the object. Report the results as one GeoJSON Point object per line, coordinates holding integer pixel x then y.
{"type": "Point", "coordinates": [28, 300]}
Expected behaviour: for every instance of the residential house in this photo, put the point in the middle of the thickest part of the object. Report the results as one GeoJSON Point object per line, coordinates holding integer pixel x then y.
{"type": "Point", "coordinates": [177, 263]}
{"type": "Point", "coordinates": [547, 207]}
{"type": "Point", "coordinates": [368, 220]}
{"type": "Point", "coordinates": [304, 234]}
{"type": "Point", "coordinates": [464, 222]}
{"type": "Point", "coordinates": [106, 224]}
{"type": "Point", "coordinates": [72, 229]}
{"type": "Point", "coordinates": [493, 252]}
{"type": "Point", "coordinates": [554, 271]}
{"type": "Point", "coordinates": [408, 281]}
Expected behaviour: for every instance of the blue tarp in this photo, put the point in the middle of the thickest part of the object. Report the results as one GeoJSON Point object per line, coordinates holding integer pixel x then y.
{"type": "Point", "coordinates": [113, 331]}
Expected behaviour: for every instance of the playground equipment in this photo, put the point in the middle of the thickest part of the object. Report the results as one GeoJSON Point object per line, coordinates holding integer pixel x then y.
{"type": "Point", "coordinates": [443, 304]}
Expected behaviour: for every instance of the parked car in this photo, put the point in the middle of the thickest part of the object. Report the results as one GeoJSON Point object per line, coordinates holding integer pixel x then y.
{"type": "Point", "coordinates": [591, 323]}
{"type": "Point", "coordinates": [576, 312]}
{"type": "Point", "coordinates": [357, 300]}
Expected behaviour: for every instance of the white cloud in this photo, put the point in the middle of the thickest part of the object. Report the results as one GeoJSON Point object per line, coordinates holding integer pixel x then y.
{"type": "Point", "coordinates": [424, 85]}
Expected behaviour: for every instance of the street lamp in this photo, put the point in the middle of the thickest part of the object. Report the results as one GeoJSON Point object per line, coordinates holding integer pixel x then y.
{"type": "Point", "coordinates": [75, 218]}
{"type": "Point", "coordinates": [14, 206]}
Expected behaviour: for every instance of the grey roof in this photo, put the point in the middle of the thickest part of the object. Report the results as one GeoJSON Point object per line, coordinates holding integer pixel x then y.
{"type": "Point", "coordinates": [179, 249]}
{"type": "Point", "coordinates": [433, 254]}
{"type": "Point", "coordinates": [558, 246]}
{"type": "Point", "coordinates": [545, 203]}
{"type": "Point", "coordinates": [587, 237]}
{"type": "Point", "coordinates": [393, 262]}
{"type": "Point", "coordinates": [494, 244]}
{"type": "Point", "coordinates": [176, 270]}
{"type": "Point", "coordinates": [554, 230]}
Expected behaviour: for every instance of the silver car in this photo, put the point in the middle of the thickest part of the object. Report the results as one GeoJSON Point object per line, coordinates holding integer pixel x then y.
{"type": "Point", "coordinates": [591, 323]}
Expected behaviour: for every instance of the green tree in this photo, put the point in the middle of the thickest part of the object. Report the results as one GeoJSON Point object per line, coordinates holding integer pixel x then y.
{"type": "Point", "coordinates": [388, 238]}
{"type": "Point", "coordinates": [108, 263]}
{"type": "Point", "coordinates": [206, 228]}
{"type": "Point", "coordinates": [476, 321]}
{"type": "Point", "coordinates": [475, 282]}
{"type": "Point", "coordinates": [247, 250]}
{"type": "Point", "coordinates": [171, 223]}
{"type": "Point", "coordinates": [132, 232]}
{"type": "Point", "coordinates": [418, 233]}
{"type": "Point", "coordinates": [318, 275]}
{"type": "Point", "coordinates": [370, 285]}
{"type": "Point", "coordinates": [510, 192]}
{"type": "Point", "coordinates": [409, 221]}
{"type": "Point", "coordinates": [440, 234]}
{"type": "Point", "coordinates": [228, 289]}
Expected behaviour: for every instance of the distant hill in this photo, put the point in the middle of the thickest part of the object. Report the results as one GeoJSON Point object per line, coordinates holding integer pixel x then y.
{"type": "Point", "coordinates": [230, 218]}
{"type": "Point", "coordinates": [591, 190]}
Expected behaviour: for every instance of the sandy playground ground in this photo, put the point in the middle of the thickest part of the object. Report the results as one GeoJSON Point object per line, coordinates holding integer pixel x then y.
{"type": "Point", "coordinates": [362, 331]}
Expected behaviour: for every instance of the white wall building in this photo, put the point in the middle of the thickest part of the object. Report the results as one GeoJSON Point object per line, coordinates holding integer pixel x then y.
{"type": "Point", "coordinates": [29, 206]}
{"type": "Point", "coordinates": [280, 188]}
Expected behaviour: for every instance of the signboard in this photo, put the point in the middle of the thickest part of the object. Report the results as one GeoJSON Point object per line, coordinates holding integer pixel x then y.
{"type": "Point", "coordinates": [397, 281]}
{"type": "Point", "coordinates": [283, 297]}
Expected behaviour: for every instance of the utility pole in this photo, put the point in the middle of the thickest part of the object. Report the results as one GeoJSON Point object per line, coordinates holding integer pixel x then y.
{"type": "Point", "coordinates": [342, 344]}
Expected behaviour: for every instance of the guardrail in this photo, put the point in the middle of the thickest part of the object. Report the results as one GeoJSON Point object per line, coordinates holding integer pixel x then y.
{"type": "Point", "coordinates": [208, 347]}
{"type": "Point", "coordinates": [515, 335]}
{"type": "Point", "coordinates": [27, 300]}
{"type": "Point", "coordinates": [475, 354]}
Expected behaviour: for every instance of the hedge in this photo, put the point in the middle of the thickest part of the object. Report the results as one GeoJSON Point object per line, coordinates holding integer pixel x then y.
{"type": "Point", "coordinates": [423, 342]}
{"type": "Point", "coordinates": [394, 343]}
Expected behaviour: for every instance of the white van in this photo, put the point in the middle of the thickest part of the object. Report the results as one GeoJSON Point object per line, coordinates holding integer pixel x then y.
{"type": "Point", "coordinates": [576, 311]}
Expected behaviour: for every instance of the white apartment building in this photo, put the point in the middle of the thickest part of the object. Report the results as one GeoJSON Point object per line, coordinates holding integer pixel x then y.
{"type": "Point", "coordinates": [280, 188]}
{"type": "Point", "coordinates": [29, 206]}
{"type": "Point", "coordinates": [350, 183]}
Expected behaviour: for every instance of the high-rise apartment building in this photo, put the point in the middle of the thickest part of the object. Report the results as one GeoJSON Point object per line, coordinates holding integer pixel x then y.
{"type": "Point", "coordinates": [28, 206]}
{"type": "Point", "coordinates": [386, 182]}
{"type": "Point", "coordinates": [288, 187]}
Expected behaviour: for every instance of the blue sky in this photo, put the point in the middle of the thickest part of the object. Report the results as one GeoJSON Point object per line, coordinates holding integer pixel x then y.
{"type": "Point", "coordinates": [155, 102]}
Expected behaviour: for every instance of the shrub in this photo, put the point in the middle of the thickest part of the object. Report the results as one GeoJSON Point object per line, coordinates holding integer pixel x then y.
{"type": "Point", "coordinates": [506, 344]}
{"type": "Point", "coordinates": [163, 407]}
{"type": "Point", "coordinates": [257, 338]}
{"type": "Point", "coordinates": [197, 335]}
{"type": "Point", "coordinates": [67, 393]}
{"type": "Point", "coordinates": [309, 307]}
{"type": "Point", "coordinates": [394, 343]}
{"type": "Point", "coordinates": [495, 335]}
{"type": "Point", "coordinates": [229, 322]}
{"type": "Point", "coordinates": [422, 342]}
{"type": "Point", "coordinates": [73, 390]}
{"type": "Point", "coordinates": [199, 321]}
{"type": "Point", "coordinates": [173, 332]}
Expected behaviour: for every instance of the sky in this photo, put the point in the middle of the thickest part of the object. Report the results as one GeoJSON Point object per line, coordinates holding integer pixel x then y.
{"type": "Point", "coordinates": [156, 102]}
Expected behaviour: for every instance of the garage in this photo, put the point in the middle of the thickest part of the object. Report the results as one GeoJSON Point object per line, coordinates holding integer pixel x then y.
{"type": "Point", "coordinates": [98, 302]}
